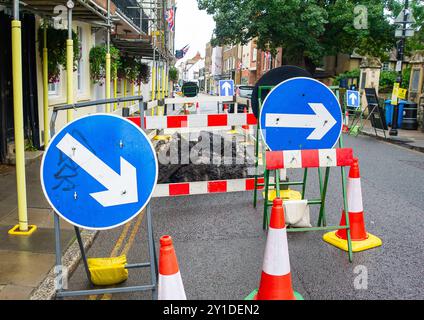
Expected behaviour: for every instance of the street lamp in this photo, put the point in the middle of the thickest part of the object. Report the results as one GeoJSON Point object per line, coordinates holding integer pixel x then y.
{"type": "Point", "coordinates": [400, 56]}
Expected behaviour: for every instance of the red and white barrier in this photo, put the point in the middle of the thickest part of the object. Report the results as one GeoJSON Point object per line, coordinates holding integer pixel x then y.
{"type": "Point", "coordinates": [205, 187]}
{"type": "Point", "coordinates": [196, 121]}
{"type": "Point", "coordinates": [301, 159]}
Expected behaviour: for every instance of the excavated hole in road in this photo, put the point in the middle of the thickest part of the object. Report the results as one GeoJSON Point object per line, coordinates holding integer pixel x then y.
{"type": "Point", "coordinates": [209, 164]}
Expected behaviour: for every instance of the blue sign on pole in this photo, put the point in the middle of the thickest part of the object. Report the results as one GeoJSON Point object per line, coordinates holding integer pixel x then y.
{"type": "Point", "coordinates": [99, 171]}
{"type": "Point", "coordinates": [353, 99]}
{"type": "Point", "coordinates": [300, 114]}
{"type": "Point", "coordinates": [226, 87]}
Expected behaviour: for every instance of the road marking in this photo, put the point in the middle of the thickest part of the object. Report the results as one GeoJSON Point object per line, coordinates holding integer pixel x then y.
{"type": "Point", "coordinates": [117, 246]}
{"type": "Point", "coordinates": [128, 246]}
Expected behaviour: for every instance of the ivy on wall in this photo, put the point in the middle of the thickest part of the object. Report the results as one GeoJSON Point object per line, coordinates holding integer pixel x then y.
{"type": "Point", "coordinates": [97, 60]}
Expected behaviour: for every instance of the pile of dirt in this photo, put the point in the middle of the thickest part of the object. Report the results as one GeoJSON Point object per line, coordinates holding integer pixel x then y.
{"type": "Point", "coordinates": [202, 161]}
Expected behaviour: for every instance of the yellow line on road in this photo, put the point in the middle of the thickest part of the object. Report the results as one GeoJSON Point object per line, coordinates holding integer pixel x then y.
{"type": "Point", "coordinates": [128, 245]}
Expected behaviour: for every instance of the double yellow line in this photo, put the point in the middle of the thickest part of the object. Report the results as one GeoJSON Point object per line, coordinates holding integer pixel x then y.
{"type": "Point", "coordinates": [129, 243]}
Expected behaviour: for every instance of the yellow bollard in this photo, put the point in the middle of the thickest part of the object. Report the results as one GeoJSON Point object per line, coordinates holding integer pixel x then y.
{"type": "Point", "coordinates": [153, 83]}
{"type": "Point", "coordinates": [22, 228]}
{"type": "Point", "coordinates": [158, 84]}
{"type": "Point", "coordinates": [107, 80]}
{"type": "Point", "coordinates": [45, 92]}
{"type": "Point", "coordinates": [69, 77]}
{"type": "Point", "coordinates": [125, 91]}
{"type": "Point", "coordinates": [115, 91]}
{"type": "Point", "coordinates": [163, 82]}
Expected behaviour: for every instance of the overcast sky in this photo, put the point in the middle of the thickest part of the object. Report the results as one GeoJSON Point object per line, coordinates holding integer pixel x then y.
{"type": "Point", "coordinates": [193, 27]}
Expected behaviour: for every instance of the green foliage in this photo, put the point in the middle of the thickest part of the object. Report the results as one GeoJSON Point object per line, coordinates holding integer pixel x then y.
{"type": "Point", "coordinates": [306, 30]}
{"type": "Point", "coordinates": [97, 60]}
{"type": "Point", "coordinates": [56, 50]}
{"type": "Point", "coordinates": [388, 78]}
{"type": "Point", "coordinates": [349, 74]}
{"type": "Point", "coordinates": [128, 68]}
{"type": "Point", "coordinates": [173, 74]}
{"type": "Point", "coordinates": [143, 73]}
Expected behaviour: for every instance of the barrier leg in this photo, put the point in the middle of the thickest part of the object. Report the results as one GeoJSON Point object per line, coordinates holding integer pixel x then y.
{"type": "Point", "coordinates": [322, 220]}
{"type": "Point", "coordinates": [305, 177]}
{"type": "Point", "coordinates": [152, 253]}
{"type": "Point", "coordinates": [83, 256]}
{"type": "Point", "coordinates": [255, 195]}
{"type": "Point", "coordinates": [58, 250]}
{"type": "Point", "coordinates": [266, 181]}
{"type": "Point", "coordinates": [346, 210]}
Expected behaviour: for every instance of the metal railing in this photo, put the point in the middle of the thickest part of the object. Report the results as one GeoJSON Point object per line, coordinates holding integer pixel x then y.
{"type": "Point", "coordinates": [75, 106]}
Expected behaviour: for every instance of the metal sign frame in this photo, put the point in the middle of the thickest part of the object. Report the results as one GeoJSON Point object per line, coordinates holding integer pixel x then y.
{"type": "Point", "coordinates": [152, 264]}
{"type": "Point", "coordinates": [322, 224]}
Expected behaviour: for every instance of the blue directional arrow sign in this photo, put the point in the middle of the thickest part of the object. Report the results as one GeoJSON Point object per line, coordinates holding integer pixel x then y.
{"type": "Point", "coordinates": [353, 99]}
{"type": "Point", "coordinates": [300, 114]}
{"type": "Point", "coordinates": [226, 87]}
{"type": "Point", "coordinates": [99, 171]}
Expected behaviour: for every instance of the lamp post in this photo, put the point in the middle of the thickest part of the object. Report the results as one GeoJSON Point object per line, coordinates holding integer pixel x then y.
{"type": "Point", "coordinates": [400, 56]}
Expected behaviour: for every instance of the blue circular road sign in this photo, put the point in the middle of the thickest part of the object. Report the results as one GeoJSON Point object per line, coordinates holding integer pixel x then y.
{"type": "Point", "coordinates": [99, 171]}
{"type": "Point", "coordinates": [300, 114]}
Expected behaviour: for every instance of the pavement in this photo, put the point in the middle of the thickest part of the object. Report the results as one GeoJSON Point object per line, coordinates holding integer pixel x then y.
{"type": "Point", "coordinates": [25, 261]}
{"type": "Point", "coordinates": [220, 243]}
{"type": "Point", "coordinates": [412, 139]}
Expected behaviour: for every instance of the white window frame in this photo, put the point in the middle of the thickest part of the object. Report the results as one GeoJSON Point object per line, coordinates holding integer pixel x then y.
{"type": "Point", "coordinates": [54, 88]}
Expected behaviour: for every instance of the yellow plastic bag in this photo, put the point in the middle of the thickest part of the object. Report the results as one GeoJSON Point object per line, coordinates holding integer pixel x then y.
{"type": "Point", "coordinates": [108, 271]}
{"type": "Point", "coordinates": [285, 195]}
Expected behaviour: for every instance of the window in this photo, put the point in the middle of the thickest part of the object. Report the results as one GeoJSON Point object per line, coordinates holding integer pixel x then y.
{"type": "Point", "coordinates": [80, 67]}
{"type": "Point", "coordinates": [415, 80]}
{"type": "Point", "coordinates": [364, 80]}
{"type": "Point", "coordinates": [386, 66]}
{"type": "Point", "coordinates": [54, 89]}
{"type": "Point", "coordinates": [254, 54]}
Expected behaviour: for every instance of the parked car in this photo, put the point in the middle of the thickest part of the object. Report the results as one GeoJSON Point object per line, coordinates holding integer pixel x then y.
{"type": "Point", "coordinates": [242, 91]}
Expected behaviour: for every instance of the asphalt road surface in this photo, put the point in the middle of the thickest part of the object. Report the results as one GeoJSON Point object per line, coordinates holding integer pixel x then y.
{"type": "Point", "coordinates": [220, 243]}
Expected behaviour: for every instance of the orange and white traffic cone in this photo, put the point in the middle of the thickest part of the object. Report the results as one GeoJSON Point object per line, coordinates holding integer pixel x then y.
{"type": "Point", "coordinates": [225, 108]}
{"type": "Point", "coordinates": [346, 124]}
{"type": "Point", "coordinates": [276, 282]}
{"type": "Point", "coordinates": [170, 286]}
{"type": "Point", "coordinates": [361, 240]}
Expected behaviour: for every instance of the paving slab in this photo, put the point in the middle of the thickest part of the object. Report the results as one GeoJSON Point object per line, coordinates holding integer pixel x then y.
{"type": "Point", "coordinates": [14, 292]}
{"type": "Point", "coordinates": [41, 241]}
{"type": "Point", "coordinates": [24, 268]}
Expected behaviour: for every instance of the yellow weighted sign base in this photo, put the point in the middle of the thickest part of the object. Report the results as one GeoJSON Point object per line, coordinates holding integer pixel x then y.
{"type": "Point", "coordinates": [357, 246]}
{"type": "Point", "coordinates": [108, 271]}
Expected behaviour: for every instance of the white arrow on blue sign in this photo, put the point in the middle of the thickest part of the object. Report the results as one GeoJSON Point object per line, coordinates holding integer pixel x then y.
{"type": "Point", "coordinates": [353, 99]}
{"type": "Point", "coordinates": [300, 114]}
{"type": "Point", "coordinates": [226, 87]}
{"type": "Point", "coordinates": [99, 171]}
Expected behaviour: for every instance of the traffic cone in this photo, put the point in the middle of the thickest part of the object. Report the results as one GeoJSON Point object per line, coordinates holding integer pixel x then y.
{"type": "Point", "coordinates": [345, 128]}
{"type": "Point", "coordinates": [276, 283]}
{"type": "Point", "coordinates": [170, 286]}
{"type": "Point", "coordinates": [225, 108]}
{"type": "Point", "coordinates": [361, 240]}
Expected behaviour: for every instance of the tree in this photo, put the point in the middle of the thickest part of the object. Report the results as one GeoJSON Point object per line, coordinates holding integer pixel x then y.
{"type": "Point", "coordinates": [307, 30]}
